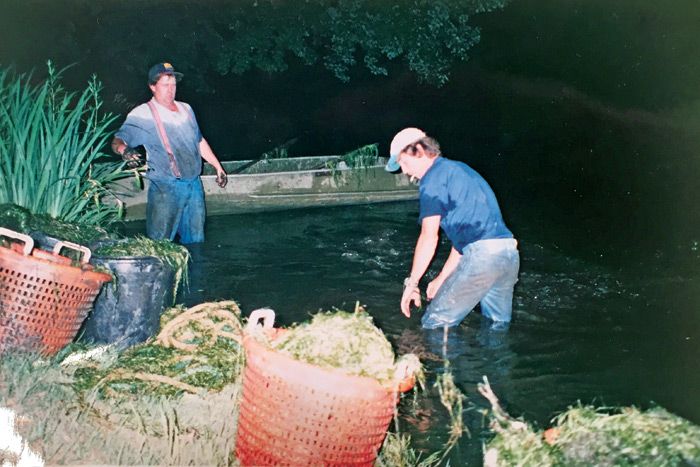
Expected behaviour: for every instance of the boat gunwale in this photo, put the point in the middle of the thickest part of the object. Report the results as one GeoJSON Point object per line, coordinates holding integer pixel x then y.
{"type": "Point", "coordinates": [379, 165]}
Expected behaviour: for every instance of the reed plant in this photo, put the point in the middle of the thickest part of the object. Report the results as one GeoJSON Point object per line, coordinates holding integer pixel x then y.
{"type": "Point", "coordinates": [50, 141]}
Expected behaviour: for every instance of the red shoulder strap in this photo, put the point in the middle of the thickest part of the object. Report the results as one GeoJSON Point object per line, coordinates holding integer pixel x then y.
{"type": "Point", "coordinates": [184, 109]}
{"type": "Point", "coordinates": [164, 138]}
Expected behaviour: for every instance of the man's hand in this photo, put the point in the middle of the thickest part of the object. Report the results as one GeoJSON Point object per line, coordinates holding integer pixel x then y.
{"type": "Point", "coordinates": [221, 178]}
{"type": "Point", "coordinates": [433, 287]}
{"type": "Point", "coordinates": [132, 156]}
{"type": "Point", "coordinates": [410, 295]}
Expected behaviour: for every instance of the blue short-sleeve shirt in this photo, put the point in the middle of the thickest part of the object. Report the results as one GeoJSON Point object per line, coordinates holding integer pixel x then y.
{"type": "Point", "coordinates": [466, 204]}
{"type": "Point", "coordinates": [184, 136]}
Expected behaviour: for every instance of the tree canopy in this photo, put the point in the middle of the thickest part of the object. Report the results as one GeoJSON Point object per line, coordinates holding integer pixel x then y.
{"type": "Point", "coordinates": [228, 36]}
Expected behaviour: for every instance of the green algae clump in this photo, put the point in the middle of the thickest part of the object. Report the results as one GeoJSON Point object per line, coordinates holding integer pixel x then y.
{"type": "Point", "coordinates": [22, 220]}
{"type": "Point", "coordinates": [171, 254]}
{"type": "Point", "coordinates": [586, 435]}
{"type": "Point", "coordinates": [346, 341]}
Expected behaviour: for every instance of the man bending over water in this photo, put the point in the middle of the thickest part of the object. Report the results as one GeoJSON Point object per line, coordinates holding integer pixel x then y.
{"type": "Point", "coordinates": [483, 264]}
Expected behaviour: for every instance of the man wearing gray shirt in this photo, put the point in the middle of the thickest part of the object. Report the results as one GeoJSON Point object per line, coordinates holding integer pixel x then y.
{"type": "Point", "coordinates": [175, 148]}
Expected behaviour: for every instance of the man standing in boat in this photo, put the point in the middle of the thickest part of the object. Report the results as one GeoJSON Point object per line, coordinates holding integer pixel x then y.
{"type": "Point", "coordinates": [175, 148]}
{"type": "Point", "coordinates": [483, 264]}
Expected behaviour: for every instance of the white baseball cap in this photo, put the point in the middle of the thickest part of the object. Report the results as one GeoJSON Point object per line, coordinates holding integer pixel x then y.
{"type": "Point", "coordinates": [403, 138]}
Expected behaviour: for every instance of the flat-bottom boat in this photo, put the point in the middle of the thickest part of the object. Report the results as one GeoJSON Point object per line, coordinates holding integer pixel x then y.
{"type": "Point", "coordinates": [284, 183]}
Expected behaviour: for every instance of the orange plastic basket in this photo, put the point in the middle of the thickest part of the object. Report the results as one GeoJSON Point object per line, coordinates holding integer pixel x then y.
{"type": "Point", "coordinates": [43, 299]}
{"type": "Point", "coordinates": [295, 413]}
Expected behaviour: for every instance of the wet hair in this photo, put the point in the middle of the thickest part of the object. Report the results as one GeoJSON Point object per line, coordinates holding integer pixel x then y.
{"type": "Point", "coordinates": [429, 145]}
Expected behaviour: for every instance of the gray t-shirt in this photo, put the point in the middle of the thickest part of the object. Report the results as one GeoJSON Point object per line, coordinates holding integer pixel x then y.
{"type": "Point", "coordinates": [140, 129]}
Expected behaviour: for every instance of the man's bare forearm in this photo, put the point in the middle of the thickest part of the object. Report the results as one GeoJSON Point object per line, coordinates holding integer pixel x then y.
{"type": "Point", "coordinates": [118, 146]}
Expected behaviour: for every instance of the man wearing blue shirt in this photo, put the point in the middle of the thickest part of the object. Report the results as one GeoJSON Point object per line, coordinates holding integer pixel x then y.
{"type": "Point", "coordinates": [483, 264]}
{"type": "Point", "coordinates": [175, 148]}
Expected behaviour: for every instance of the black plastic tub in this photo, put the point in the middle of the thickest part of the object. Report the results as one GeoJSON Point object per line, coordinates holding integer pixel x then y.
{"type": "Point", "coordinates": [127, 311]}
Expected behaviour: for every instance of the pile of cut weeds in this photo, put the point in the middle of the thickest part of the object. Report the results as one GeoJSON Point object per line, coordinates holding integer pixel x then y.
{"type": "Point", "coordinates": [172, 400]}
{"type": "Point", "coordinates": [345, 341]}
{"type": "Point", "coordinates": [586, 435]}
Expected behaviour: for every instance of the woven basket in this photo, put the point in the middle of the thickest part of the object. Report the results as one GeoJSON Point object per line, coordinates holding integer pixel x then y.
{"type": "Point", "coordinates": [295, 413]}
{"type": "Point", "coordinates": [43, 299]}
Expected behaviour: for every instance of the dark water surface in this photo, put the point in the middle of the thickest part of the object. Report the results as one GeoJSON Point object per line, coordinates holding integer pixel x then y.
{"type": "Point", "coordinates": [581, 331]}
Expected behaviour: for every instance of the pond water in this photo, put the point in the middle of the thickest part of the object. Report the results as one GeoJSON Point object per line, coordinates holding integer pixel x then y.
{"type": "Point", "coordinates": [582, 330]}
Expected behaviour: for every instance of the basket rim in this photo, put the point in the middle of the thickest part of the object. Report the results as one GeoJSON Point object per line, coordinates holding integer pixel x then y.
{"type": "Point", "coordinates": [88, 269]}
{"type": "Point", "coordinates": [390, 386]}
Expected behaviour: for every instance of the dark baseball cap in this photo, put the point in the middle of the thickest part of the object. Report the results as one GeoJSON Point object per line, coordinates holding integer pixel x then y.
{"type": "Point", "coordinates": [159, 69]}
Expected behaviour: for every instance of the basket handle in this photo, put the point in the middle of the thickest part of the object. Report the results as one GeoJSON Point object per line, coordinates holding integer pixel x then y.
{"type": "Point", "coordinates": [28, 241]}
{"type": "Point", "coordinates": [74, 246]}
{"type": "Point", "coordinates": [267, 315]}
{"type": "Point", "coordinates": [402, 371]}
{"type": "Point", "coordinates": [404, 376]}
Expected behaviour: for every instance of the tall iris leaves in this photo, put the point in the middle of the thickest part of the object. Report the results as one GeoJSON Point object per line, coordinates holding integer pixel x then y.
{"type": "Point", "coordinates": [50, 140]}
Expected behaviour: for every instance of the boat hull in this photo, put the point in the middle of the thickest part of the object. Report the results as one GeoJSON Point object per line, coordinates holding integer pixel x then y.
{"type": "Point", "coordinates": [279, 184]}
